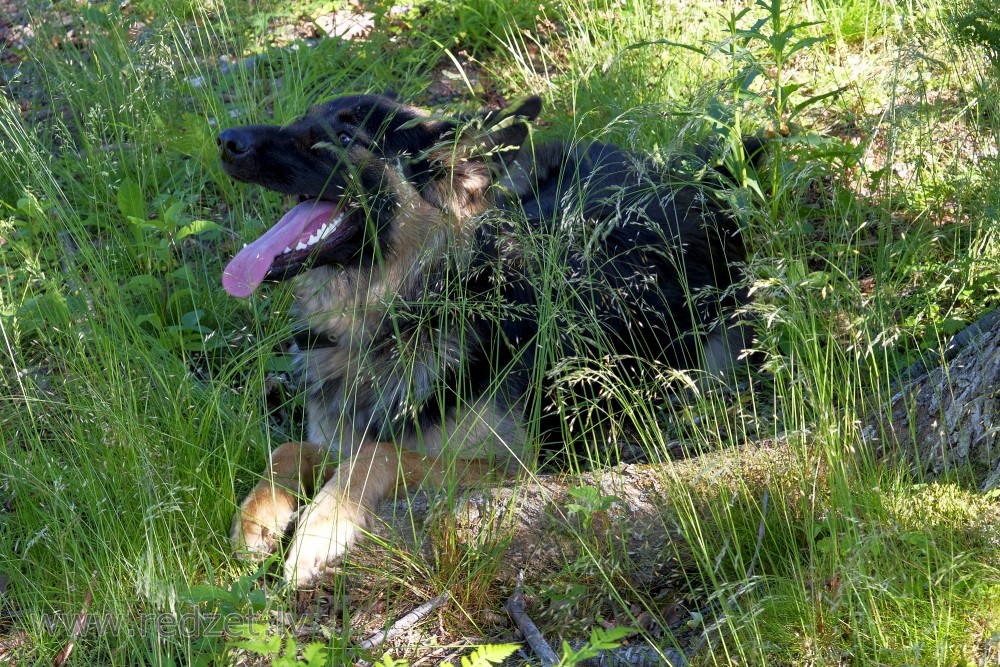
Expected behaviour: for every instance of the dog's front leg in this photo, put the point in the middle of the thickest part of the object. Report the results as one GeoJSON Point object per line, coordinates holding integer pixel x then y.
{"type": "Point", "coordinates": [338, 514]}
{"type": "Point", "coordinates": [266, 513]}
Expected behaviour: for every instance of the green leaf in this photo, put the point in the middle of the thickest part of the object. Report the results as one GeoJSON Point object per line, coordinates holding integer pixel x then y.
{"type": "Point", "coordinates": [641, 45]}
{"type": "Point", "coordinates": [249, 630]}
{"type": "Point", "coordinates": [491, 654]}
{"type": "Point", "coordinates": [143, 283]}
{"type": "Point", "coordinates": [183, 274]}
{"type": "Point", "coordinates": [131, 203]}
{"type": "Point", "coordinates": [919, 540]}
{"type": "Point", "coordinates": [178, 301]}
{"type": "Point", "coordinates": [608, 638]}
{"type": "Point", "coordinates": [316, 654]}
{"type": "Point", "coordinates": [279, 363]}
{"type": "Point", "coordinates": [788, 90]}
{"type": "Point", "coordinates": [267, 646]}
{"type": "Point", "coordinates": [952, 325]}
{"type": "Point", "coordinates": [589, 500]}
{"type": "Point", "coordinates": [207, 593]}
{"type": "Point", "coordinates": [387, 661]}
{"type": "Point", "coordinates": [746, 79]}
{"type": "Point", "coordinates": [157, 324]}
{"type": "Point", "coordinates": [156, 225]}
{"type": "Point", "coordinates": [170, 214]}
{"type": "Point", "coordinates": [189, 341]}
{"type": "Point", "coordinates": [809, 101]}
{"type": "Point", "coordinates": [31, 209]}
{"type": "Point", "coordinates": [196, 227]}
{"type": "Point", "coordinates": [795, 27]}
{"type": "Point", "coordinates": [191, 320]}
{"type": "Point", "coordinates": [754, 30]}
{"type": "Point", "coordinates": [666, 42]}
{"type": "Point", "coordinates": [257, 600]}
{"type": "Point", "coordinates": [804, 43]}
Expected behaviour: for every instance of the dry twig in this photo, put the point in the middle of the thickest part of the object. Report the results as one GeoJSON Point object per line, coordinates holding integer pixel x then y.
{"type": "Point", "coordinates": [515, 607]}
{"type": "Point", "coordinates": [405, 623]}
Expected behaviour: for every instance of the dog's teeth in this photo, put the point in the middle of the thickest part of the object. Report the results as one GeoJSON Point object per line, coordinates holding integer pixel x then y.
{"type": "Point", "coordinates": [286, 250]}
{"type": "Point", "coordinates": [313, 239]}
{"type": "Point", "coordinates": [301, 246]}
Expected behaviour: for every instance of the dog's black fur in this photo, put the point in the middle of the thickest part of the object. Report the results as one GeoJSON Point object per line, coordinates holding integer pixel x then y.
{"type": "Point", "coordinates": [432, 291]}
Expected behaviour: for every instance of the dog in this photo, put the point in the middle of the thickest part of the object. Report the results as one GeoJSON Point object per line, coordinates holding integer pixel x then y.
{"type": "Point", "coordinates": [461, 289]}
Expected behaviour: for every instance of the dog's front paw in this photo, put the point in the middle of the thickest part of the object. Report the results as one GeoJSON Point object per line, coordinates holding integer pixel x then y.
{"type": "Point", "coordinates": [262, 520]}
{"type": "Point", "coordinates": [326, 528]}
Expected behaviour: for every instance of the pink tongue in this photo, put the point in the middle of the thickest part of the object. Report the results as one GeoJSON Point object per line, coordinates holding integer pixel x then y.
{"type": "Point", "coordinates": [247, 269]}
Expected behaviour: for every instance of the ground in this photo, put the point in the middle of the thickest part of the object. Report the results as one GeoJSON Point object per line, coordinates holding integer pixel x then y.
{"type": "Point", "coordinates": [765, 526]}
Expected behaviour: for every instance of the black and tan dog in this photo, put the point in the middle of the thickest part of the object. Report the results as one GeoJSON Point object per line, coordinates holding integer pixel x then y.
{"type": "Point", "coordinates": [445, 271]}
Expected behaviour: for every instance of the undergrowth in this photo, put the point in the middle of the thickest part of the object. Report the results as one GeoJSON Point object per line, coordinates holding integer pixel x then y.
{"type": "Point", "coordinates": [139, 401]}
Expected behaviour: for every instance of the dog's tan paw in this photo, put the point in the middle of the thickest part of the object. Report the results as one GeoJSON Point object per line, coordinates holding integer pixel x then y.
{"type": "Point", "coordinates": [326, 528]}
{"type": "Point", "coordinates": [261, 522]}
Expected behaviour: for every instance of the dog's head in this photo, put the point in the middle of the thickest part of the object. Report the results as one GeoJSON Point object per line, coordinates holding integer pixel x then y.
{"type": "Point", "coordinates": [358, 163]}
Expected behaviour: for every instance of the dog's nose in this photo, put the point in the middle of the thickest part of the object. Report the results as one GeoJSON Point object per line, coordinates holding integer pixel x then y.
{"type": "Point", "coordinates": [234, 142]}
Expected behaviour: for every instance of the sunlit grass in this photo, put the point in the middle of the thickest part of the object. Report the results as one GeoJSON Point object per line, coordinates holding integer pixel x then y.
{"type": "Point", "coordinates": [133, 414]}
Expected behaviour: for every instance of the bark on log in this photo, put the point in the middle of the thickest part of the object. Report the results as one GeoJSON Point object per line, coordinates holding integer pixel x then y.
{"type": "Point", "coordinates": [949, 417]}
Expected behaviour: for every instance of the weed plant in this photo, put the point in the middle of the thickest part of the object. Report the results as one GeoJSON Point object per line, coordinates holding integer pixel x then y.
{"type": "Point", "coordinates": [138, 402]}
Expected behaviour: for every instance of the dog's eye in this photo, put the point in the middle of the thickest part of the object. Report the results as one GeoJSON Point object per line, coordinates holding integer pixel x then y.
{"type": "Point", "coordinates": [345, 138]}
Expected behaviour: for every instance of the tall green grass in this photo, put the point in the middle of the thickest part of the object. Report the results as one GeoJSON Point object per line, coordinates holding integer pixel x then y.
{"type": "Point", "coordinates": [139, 401]}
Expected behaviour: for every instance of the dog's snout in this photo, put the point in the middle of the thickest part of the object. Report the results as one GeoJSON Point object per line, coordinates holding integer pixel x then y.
{"type": "Point", "coordinates": [234, 142]}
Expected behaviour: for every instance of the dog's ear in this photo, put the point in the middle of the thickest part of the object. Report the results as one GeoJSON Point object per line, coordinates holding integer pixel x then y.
{"type": "Point", "coordinates": [507, 129]}
{"type": "Point", "coordinates": [490, 139]}
{"type": "Point", "coordinates": [527, 109]}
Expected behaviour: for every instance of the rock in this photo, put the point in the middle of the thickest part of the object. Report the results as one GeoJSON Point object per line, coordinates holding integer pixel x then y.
{"type": "Point", "coordinates": [346, 24]}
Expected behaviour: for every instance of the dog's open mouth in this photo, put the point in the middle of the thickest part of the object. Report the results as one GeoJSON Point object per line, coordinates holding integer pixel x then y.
{"type": "Point", "coordinates": [302, 235]}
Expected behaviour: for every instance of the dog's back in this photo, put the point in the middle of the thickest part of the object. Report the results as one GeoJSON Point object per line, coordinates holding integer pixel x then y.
{"type": "Point", "coordinates": [610, 260]}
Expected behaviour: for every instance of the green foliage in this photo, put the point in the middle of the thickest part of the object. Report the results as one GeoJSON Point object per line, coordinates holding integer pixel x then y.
{"type": "Point", "coordinates": [230, 617]}
{"type": "Point", "coordinates": [131, 415]}
{"type": "Point", "coordinates": [241, 597]}
{"type": "Point", "coordinates": [601, 639]}
{"type": "Point", "coordinates": [779, 41]}
{"type": "Point", "coordinates": [479, 26]}
{"type": "Point", "coordinates": [486, 655]}
{"type": "Point", "coordinates": [259, 642]}
{"type": "Point", "coordinates": [588, 503]}
{"type": "Point", "coordinates": [481, 656]}
{"type": "Point", "coordinates": [238, 623]}
{"type": "Point", "coordinates": [975, 22]}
